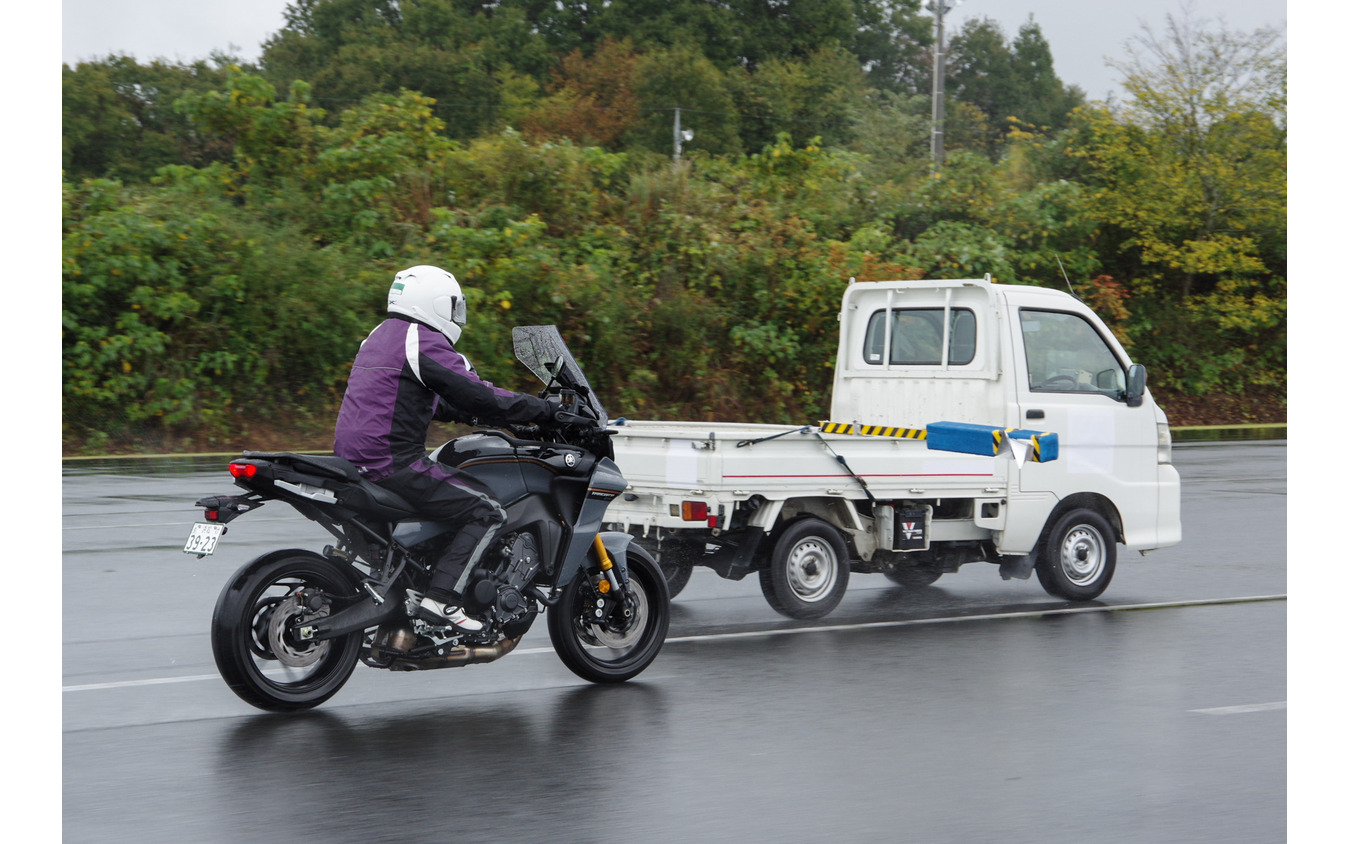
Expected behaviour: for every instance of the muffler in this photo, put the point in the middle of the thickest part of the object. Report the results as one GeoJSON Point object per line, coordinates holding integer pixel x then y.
{"type": "Point", "coordinates": [457, 656]}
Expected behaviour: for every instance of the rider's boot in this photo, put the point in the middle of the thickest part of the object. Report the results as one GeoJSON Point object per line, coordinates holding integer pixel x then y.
{"type": "Point", "coordinates": [446, 613]}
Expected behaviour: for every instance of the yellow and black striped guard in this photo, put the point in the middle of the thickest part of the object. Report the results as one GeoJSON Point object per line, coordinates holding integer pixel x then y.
{"type": "Point", "coordinates": [873, 430]}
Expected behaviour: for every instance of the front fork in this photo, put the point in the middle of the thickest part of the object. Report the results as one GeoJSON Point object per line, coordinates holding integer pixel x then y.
{"type": "Point", "coordinates": [614, 604]}
{"type": "Point", "coordinates": [609, 580]}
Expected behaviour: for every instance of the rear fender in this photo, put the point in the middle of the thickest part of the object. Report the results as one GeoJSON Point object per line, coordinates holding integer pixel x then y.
{"type": "Point", "coordinates": [350, 572]}
{"type": "Point", "coordinates": [227, 508]}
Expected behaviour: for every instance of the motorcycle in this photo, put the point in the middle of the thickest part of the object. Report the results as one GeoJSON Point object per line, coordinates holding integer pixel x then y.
{"type": "Point", "coordinates": [290, 626]}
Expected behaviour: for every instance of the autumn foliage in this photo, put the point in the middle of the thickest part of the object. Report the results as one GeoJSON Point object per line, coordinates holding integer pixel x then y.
{"type": "Point", "coordinates": [230, 231]}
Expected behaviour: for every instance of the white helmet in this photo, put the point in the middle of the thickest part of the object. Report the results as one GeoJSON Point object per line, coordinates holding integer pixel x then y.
{"type": "Point", "coordinates": [430, 295]}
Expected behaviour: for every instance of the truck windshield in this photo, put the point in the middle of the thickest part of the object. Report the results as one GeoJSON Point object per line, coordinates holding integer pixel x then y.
{"type": "Point", "coordinates": [916, 337]}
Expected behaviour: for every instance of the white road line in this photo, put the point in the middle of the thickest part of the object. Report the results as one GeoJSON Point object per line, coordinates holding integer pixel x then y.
{"type": "Point", "coordinates": [156, 681]}
{"type": "Point", "coordinates": [1238, 710]}
{"type": "Point", "coordinates": [787, 631]}
{"type": "Point", "coordinates": [913, 622]}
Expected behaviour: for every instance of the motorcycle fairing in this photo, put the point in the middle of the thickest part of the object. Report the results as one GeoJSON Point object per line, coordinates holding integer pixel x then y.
{"type": "Point", "coordinates": [606, 483]}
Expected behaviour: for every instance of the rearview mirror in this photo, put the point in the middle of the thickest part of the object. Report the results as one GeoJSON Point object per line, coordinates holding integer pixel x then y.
{"type": "Point", "coordinates": [1134, 385]}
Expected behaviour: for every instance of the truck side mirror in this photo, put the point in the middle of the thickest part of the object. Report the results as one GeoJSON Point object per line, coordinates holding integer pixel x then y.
{"type": "Point", "coordinates": [1134, 385]}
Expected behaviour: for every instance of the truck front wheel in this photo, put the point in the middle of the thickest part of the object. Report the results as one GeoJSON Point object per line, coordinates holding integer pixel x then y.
{"type": "Point", "coordinates": [1078, 559]}
{"type": "Point", "coordinates": [808, 570]}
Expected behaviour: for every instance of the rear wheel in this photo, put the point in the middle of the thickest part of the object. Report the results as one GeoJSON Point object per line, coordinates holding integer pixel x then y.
{"type": "Point", "coordinates": [1078, 558]}
{"type": "Point", "coordinates": [808, 570]}
{"type": "Point", "coordinates": [603, 639]}
{"type": "Point", "coordinates": [676, 558]}
{"type": "Point", "coordinates": [253, 638]}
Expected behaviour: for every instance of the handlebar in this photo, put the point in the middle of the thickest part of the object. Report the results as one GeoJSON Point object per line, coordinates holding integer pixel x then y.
{"type": "Point", "coordinates": [561, 420]}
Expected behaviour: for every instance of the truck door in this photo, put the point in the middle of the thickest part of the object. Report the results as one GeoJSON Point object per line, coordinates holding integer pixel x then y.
{"type": "Point", "coordinates": [1071, 380]}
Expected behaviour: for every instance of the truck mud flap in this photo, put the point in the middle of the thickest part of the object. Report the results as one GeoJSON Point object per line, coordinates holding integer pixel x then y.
{"type": "Point", "coordinates": [1017, 567]}
{"type": "Point", "coordinates": [735, 559]}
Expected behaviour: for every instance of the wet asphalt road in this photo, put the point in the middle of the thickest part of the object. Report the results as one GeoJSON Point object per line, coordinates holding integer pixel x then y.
{"type": "Point", "coordinates": [968, 711]}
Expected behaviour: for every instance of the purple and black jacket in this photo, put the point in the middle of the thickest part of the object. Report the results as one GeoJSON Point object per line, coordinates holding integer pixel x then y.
{"type": "Point", "coordinates": [405, 375]}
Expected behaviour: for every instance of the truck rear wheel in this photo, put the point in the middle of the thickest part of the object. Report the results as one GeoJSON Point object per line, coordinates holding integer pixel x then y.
{"type": "Point", "coordinates": [1078, 559]}
{"type": "Point", "coordinates": [676, 558]}
{"type": "Point", "coordinates": [808, 570]}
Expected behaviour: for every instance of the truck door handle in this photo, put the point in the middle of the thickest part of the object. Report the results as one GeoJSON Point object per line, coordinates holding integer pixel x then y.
{"type": "Point", "coordinates": [1035, 414]}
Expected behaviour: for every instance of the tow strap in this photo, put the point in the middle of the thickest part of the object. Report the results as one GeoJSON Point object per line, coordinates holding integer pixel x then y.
{"type": "Point", "coordinates": [802, 430]}
{"type": "Point", "coordinates": [842, 462]}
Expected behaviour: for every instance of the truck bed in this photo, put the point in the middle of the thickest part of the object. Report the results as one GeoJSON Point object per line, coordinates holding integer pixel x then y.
{"type": "Point", "coordinates": [732, 461]}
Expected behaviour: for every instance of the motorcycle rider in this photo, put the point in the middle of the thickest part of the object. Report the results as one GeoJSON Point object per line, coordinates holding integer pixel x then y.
{"type": "Point", "coordinates": [406, 374]}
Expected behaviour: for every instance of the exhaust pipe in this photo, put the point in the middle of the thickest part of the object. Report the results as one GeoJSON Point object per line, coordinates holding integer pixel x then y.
{"type": "Point", "coordinates": [458, 656]}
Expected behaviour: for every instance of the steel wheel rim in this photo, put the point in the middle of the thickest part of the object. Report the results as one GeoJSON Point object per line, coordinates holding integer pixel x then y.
{"type": "Point", "coordinates": [1082, 554]}
{"type": "Point", "coordinates": [812, 569]}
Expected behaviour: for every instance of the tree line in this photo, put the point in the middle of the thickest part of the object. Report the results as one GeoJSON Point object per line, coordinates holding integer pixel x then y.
{"type": "Point", "coordinates": [230, 229]}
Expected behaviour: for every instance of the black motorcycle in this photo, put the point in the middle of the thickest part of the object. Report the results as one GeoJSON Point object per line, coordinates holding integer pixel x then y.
{"type": "Point", "coordinates": [290, 626]}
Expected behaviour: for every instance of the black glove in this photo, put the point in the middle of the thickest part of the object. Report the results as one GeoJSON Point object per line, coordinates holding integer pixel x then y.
{"type": "Point", "coordinates": [546, 412]}
{"type": "Point", "coordinates": [567, 417]}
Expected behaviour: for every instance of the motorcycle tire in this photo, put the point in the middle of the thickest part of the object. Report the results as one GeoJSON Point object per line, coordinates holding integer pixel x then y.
{"type": "Point", "coordinates": [597, 651]}
{"type": "Point", "coordinates": [255, 651]}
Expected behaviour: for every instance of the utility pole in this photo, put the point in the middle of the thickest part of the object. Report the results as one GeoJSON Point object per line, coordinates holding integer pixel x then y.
{"type": "Point", "coordinates": [681, 137]}
{"type": "Point", "coordinates": [939, 8]}
{"type": "Point", "coordinates": [677, 135]}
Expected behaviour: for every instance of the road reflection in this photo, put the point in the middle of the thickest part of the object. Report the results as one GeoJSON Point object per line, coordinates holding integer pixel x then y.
{"type": "Point", "coordinates": [511, 771]}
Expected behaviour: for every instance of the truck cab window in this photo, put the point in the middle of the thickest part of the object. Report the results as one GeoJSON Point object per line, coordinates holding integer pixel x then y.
{"type": "Point", "coordinates": [916, 337]}
{"type": "Point", "coordinates": [1066, 354]}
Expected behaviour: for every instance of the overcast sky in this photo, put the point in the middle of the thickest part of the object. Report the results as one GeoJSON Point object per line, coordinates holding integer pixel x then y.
{"type": "Point", "coordinates": [1082, 33]}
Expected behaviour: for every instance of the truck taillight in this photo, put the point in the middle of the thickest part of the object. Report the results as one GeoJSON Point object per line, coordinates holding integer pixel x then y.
{"type": "Point", "coordinates": [243, 470]}
{"type": "Point", "coordinates": [1164, 443]}
{"type": "Point", "coordinates": [694, 511]}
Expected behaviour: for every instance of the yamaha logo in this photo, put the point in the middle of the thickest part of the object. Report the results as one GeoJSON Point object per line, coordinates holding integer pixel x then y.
{"type": "Point", "coordinates": [570, 459]}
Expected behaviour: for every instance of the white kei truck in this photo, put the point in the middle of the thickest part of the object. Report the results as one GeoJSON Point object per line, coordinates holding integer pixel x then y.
{"type": "Point", "coordinates": [970, 422]}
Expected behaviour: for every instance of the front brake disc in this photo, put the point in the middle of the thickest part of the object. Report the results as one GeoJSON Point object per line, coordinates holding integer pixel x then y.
{"type": "Point", "coordinates": [605, 633]}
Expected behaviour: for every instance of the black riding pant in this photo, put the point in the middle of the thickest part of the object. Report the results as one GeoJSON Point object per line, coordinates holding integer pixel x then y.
{"type": "Point", "coordinates": [441, 494]}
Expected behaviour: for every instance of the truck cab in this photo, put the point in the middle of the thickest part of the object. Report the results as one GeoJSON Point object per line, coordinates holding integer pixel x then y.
{"type": "Point", "coordinates": [1018, 357]}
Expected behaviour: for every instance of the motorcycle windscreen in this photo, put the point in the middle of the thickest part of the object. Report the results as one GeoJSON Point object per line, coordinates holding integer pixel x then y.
{"type": "Point", "coordinates": [542, 350]}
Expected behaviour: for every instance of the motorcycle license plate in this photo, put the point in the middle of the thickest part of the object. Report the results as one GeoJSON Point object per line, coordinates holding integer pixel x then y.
{"type": "Point", "coordinates": [202, 540]}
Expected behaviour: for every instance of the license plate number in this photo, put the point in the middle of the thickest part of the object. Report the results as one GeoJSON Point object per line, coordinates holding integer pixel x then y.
{"type": "Point", "coordinates": [202, 540]}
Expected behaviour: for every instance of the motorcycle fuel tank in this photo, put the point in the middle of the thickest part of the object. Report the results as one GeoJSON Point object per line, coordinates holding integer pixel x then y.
{"type": "Point", "coordinates": [513, 468]}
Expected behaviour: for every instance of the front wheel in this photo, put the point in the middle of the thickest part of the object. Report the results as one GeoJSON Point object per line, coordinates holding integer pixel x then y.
{"type": "Point", "coordinates": [1078, 559]}
{"type": "Point", "coordinates": [603, 638]}
{"type": "Point", "coordinates": [808, 570]}
{"type": "Point", "coordinates": [253, 639]}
